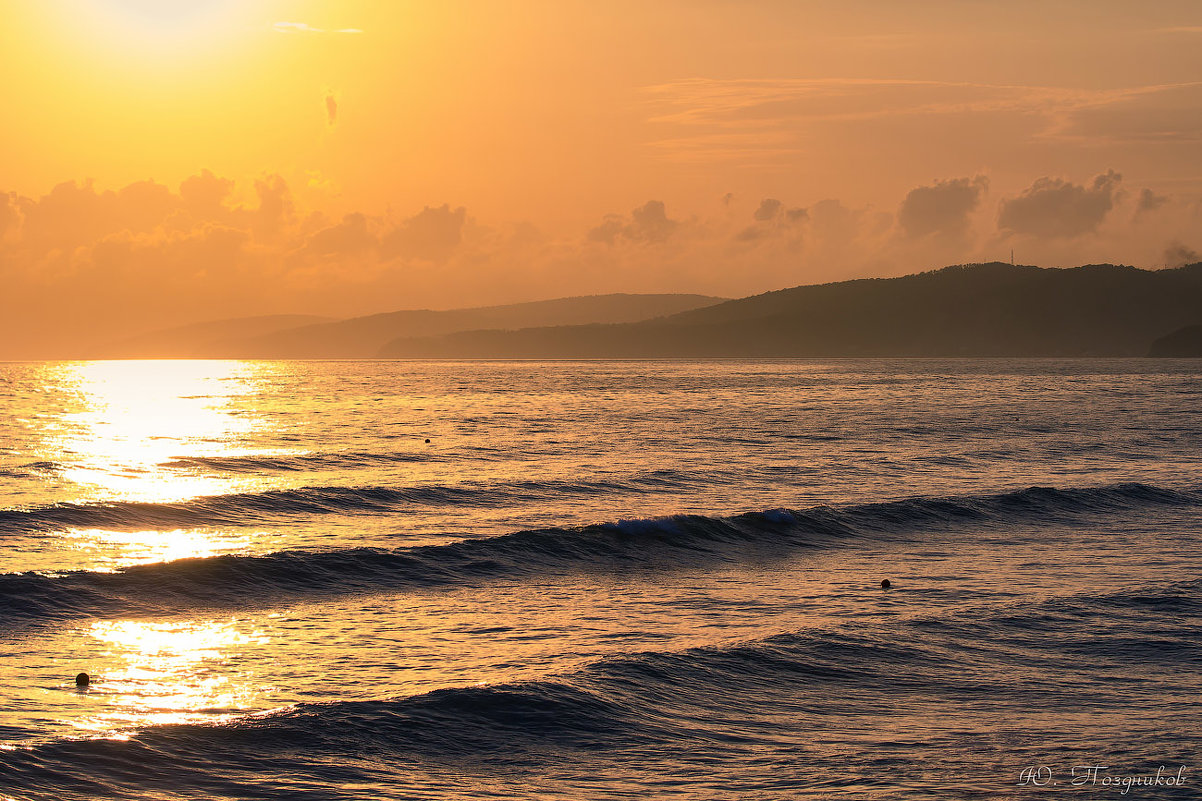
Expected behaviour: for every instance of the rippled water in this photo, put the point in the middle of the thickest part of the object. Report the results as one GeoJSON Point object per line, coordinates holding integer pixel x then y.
{"type": "Point", "coordinates": [600, 579]}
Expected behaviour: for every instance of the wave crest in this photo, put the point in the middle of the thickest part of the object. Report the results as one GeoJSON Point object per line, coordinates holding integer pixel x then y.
{"type": "Point", "coordinates": [649, 543]}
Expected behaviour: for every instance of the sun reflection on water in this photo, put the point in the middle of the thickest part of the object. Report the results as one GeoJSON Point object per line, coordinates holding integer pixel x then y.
{"type": "Point", "coordinates": [112, 550]}
{"type": "Point", "coordinates": [171, 672]}
{"type": "Point", "coordinates": [132, 416]}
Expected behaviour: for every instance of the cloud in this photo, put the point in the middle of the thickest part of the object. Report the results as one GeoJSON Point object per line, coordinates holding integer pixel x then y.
{"type": "Point", "coordinates": [73, 214]}
{"type": "Point", "coordinates": [608, 231]}
{"type": "Point", "coordinates": [649, 223]}
{"type": "Point", "coordinates": [301, 27]}
{"type": "Point", "coordinates": [1052, 207]}
{"type": "Point", "coordinates": [766, 119]}
{"type": "Point", "coordinates": [331, 109]}
{"type": "Point", "coordinates": [769, 209]}
{"type": "Point", "coordinates": [10, 213]}
{"type": "Point", "coordinates": [295, 27]}
{"type": "Point", "coordinates": [88, 264]}
{"type": "Point", "coordinates": [835, 221]}
{"type": "Point", "coordinates": [165, 260]}
{"type": "Point", "coordinates": [205, 194]}
{"type": "Point", "coordinates": [1177, 255]}
{"type": "Point", "coordinates": [1163, 115]}
{"type": "Point", "coordinates": [349, 237]}
{"type": "Point", "coordinates": [942, 208]}
{"type": "Point", "coordinates": [432, 234]}
{"type": "Point", "coordinates": [1149, 201]}
{"type": "Point", "coordinates": [771, 217]}
{"type": "Point", "coordinates": [275, 204]}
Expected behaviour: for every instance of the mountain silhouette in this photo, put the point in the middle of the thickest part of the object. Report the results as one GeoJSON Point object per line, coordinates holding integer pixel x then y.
{"type": "Point", "coordinates": [990, 310]}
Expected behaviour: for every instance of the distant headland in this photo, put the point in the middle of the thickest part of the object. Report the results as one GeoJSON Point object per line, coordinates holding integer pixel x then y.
{"type": "Point", "coordinates": [977, 310]}
{"type": "Point", "coordinates": [1183, 343]}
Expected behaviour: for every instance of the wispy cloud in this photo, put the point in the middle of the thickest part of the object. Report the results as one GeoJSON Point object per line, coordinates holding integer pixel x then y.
{"type": "Point", "coordinates": [303, 27]}
{"type": "Point", "coordinates": [706, 116]}
{"type": "Point", "coordinates": [756, 103]}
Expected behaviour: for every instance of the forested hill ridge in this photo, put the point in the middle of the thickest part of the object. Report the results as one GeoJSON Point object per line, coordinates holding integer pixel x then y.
{"type": "Point", "coordinates": [987, 310]}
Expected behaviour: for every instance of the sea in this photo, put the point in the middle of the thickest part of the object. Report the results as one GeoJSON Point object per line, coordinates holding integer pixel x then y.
{"type": "Point", "coordinates": [601, 579]}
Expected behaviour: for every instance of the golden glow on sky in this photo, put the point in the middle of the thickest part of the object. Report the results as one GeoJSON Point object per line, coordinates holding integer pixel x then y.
{"type": "Point", "coordinates": [158, 25]}
{"type": "Point", "coordinates": [171, 162]}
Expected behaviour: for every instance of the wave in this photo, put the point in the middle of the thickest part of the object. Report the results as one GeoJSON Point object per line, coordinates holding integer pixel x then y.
{"type": "Point", "coordinates": [679, 540]}
{"type": "Point", "coordinates": [296, 463]}
{"type": "Point", "coordinates": [257, 508]}
{"type": "Point", "coordinates": [323, 745]}
{"type": "Point", "coordinates": [723, 700]}
{"type": "Point", "coordinates": [30, 470]}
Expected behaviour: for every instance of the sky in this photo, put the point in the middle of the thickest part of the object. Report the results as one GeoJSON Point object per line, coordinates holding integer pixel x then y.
{"type": "Point", "coordinates": [169, 162]}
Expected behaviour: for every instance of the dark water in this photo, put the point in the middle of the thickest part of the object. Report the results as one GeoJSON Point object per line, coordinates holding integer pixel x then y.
{"type": "Point", "coordinates": [601, 579]}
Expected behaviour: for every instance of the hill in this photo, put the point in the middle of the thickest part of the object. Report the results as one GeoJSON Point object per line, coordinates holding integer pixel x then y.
{"type": "Point", "coordinates": [363, 337]}
{"type": "Point", "coordinates": [1182, 343]}
{"type": "Point", "coordinates": [971, 310]}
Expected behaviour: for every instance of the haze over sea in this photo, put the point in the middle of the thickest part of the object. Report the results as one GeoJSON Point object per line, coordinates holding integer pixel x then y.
{"type": "Point", "coordinates": [628, 579]}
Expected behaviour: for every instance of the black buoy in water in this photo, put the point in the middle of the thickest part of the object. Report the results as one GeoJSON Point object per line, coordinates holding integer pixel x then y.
{"type": "Point", "coordinates": [427, 442]}
{"type": "Point", "coordinates": [885, 584]}
{"type": "Point", "coordinates": [82, 680]}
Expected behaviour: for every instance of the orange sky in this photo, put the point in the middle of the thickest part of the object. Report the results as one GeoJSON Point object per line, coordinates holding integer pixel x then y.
{"type": "Point", "coordinates": [169, 162]}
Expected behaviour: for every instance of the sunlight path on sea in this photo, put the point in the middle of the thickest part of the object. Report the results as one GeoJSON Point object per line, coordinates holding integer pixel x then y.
{"type": "Point", "coordinates": [124, 419]}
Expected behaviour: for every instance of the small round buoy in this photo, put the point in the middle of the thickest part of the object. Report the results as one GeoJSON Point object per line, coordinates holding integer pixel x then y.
{"type": "Point", "coordinates": [82, 680]}
{"type": "Point", "coordinates": [885, 584]}
{"type": "Point", "coordinates": [427, 442]}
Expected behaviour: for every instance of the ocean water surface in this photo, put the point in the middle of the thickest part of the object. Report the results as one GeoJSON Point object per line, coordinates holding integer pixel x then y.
{"type": "Point", "coordinates": [595, 580]}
